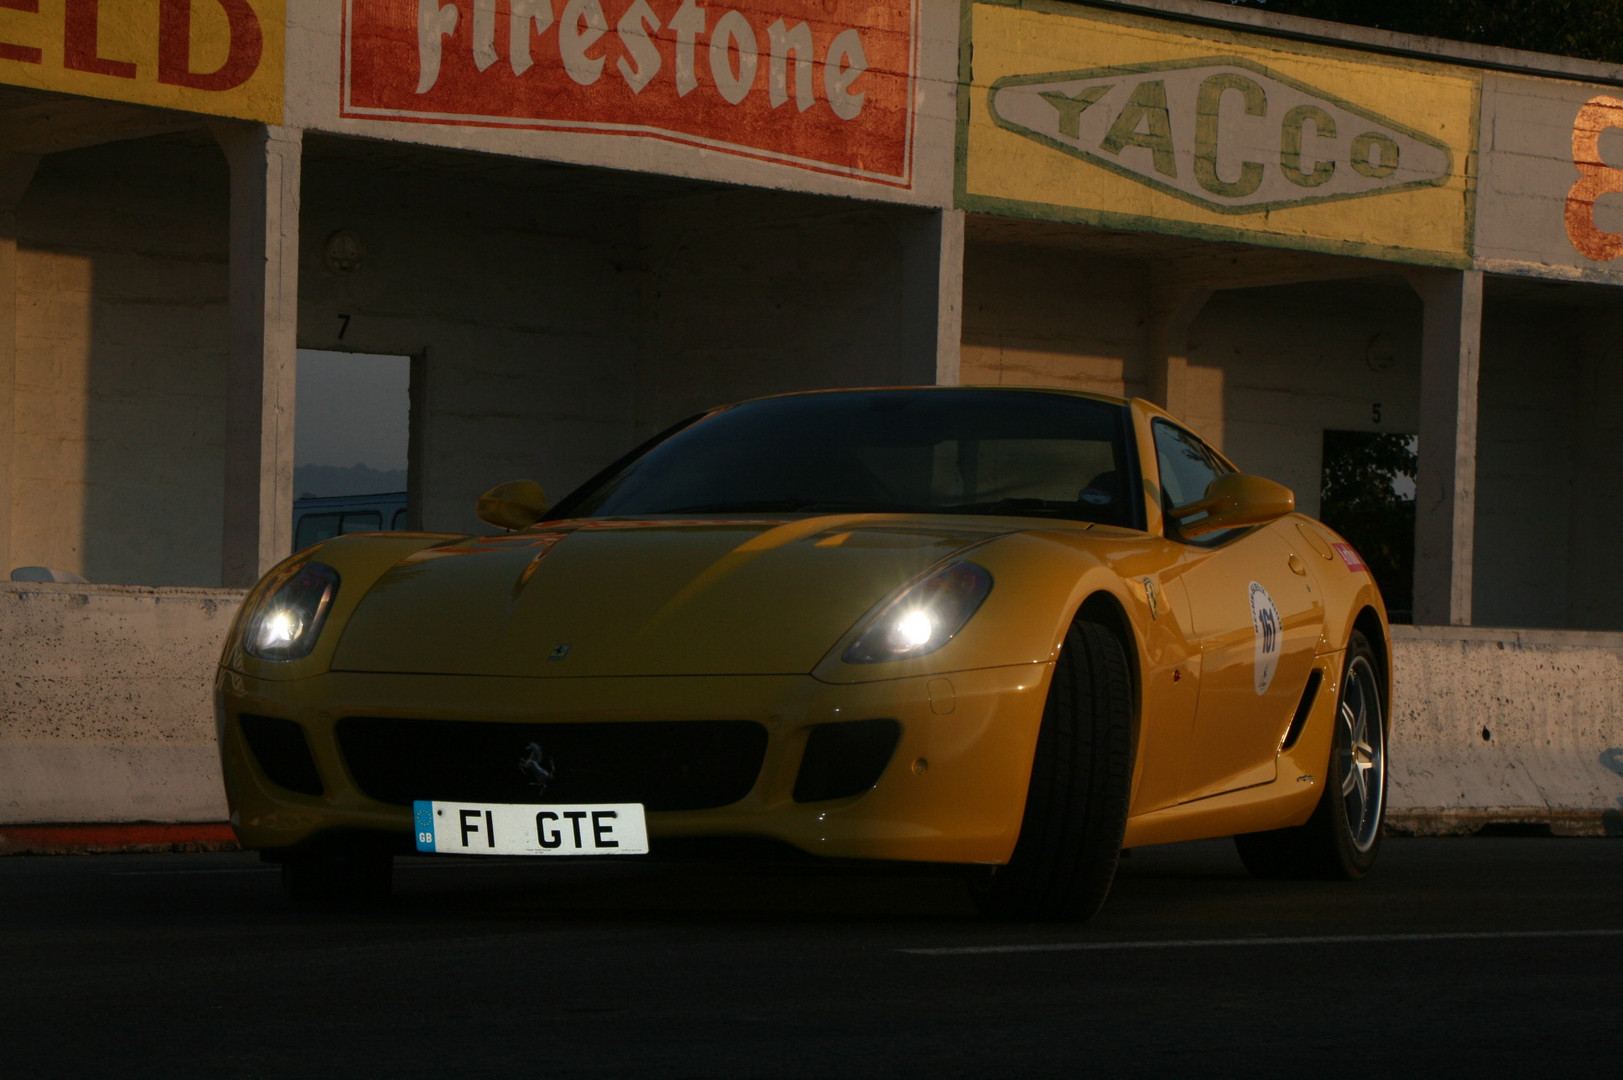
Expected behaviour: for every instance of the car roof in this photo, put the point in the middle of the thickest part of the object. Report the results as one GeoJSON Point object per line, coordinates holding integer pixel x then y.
{"type": "Point", "coordinates": [1062, 391]}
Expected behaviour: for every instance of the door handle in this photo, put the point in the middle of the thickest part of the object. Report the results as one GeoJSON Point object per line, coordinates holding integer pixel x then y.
{"type": "Point", "coordinates": [1296, 565]}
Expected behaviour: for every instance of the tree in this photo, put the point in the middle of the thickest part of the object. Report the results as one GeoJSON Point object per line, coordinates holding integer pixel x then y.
{"type": "Point", "coordinates": [1589, 29]}
{"type": "Point", "coordinates": [1367, 496]}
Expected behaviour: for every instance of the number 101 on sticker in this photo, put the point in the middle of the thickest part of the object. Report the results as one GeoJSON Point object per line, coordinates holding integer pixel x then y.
{"type": "Point", "coordinates": [526, 829]}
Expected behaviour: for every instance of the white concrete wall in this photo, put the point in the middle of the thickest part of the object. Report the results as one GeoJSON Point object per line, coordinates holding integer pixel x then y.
{"type": "Point", "coordinates": [748, 293]}
{"type": "Point", "coordinates": [1595, 575]}
{"type": "Point", "coordinates": [1036, 316]}
{"type": "Point", "coordinates": [1526, 459]}
{"type": "Point", "coordinates": [1283, 364]}
{"type": "Point", "coordinates": [121, 340]}
{"type": "Point", "coordinates": [1538, 143]}
{"type": "Point", "coordinates": [106, 704]}
{"type": "Point", "coordinates": [514, 285]}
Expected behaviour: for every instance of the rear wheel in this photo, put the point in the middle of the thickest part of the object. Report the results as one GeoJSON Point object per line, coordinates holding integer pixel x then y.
{"type": "Point", "coordinates": [1342, 837]}
{"type": "Point", "coordinates": [1076, 806]}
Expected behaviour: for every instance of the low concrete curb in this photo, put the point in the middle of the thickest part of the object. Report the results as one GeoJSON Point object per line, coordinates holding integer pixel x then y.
{"type": "Point", "coordinates": [79, 839]}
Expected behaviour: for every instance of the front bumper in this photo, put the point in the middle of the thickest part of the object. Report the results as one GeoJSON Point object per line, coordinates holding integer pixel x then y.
{"type": "Point", "coordinates": [953, 790]}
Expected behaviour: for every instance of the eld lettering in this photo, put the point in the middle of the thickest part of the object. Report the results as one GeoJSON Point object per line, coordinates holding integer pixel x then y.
{"type": "Point", "coordinates": [82, 44]}
{"type": "Point", "coordinates": [602, 827]}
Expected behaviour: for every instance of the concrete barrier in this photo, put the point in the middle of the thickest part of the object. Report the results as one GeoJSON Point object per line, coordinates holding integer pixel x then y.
{"type": "Point", "coordinates": [1506, 727]}
{"type": "Point", "coordinates": [106, 703]}
{"type": "Point", "coordinates": [106, 718]}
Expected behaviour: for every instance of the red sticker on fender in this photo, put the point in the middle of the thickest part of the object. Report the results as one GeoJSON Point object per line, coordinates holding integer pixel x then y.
{"type": "Point", "coordinates": [1350, 557]}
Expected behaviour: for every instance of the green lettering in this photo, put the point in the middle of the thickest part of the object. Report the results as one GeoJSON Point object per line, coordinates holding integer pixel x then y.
{"type": "Point", "coordinates": [1072, 108]}
{"type": "Point", "coordinates": [1206, 118]}
{"type": "Point", "coordinates": [1147, 106]}
{"type": "Point", "coordinates": [1290, 145]}
{"type": "Point", "coordinates": [1363, 155]}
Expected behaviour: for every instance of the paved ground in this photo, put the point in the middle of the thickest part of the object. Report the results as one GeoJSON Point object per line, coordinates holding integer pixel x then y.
{"type": "Point", "coordinates": [1478, 957]}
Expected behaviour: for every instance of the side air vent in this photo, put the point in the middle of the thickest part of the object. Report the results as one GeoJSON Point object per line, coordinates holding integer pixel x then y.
{"type": "Point", "coordinates": [1309, 695]}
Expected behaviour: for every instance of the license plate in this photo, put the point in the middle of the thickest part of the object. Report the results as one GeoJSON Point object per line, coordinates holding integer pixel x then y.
{"type": "Point", "coordinates": [448, 828]}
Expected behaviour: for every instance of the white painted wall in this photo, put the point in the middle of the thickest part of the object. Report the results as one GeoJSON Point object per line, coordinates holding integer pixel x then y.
{"type": "Point", "coordinates": [1526, 450]}
{"type": "Point", "coordinates": [121, 342]}
{"type": "Point", "coordinates": [515, 286]}
{"type": "Point", "coordinates": [749, 293]}
{"type": "Point", "coordinates": [1283, 364]}
{"type": "Point", "coordinates": [1036, 316]}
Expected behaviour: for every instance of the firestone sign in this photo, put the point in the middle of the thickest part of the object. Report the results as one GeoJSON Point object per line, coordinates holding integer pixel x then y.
{"type": "Point", "coordinates": [824, 85]}
{"type": "Point", "coordinates": [1222, 132]}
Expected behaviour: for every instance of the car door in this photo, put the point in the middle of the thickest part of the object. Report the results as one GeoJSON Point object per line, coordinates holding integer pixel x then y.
{"type": "Point", "coordinates": [1256, 618]}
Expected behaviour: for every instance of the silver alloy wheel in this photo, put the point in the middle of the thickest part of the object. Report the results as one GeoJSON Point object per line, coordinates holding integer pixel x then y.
{"type": "Point", "coordinates": [1361, 753]}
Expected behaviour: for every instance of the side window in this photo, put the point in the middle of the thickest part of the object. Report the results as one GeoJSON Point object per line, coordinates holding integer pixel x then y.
{"type": "Point", "coordinates": [1186, 469]}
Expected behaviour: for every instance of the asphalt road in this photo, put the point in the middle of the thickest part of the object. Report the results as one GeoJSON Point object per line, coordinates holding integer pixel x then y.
{"type": "Point", "coordinates": [1477, 957]}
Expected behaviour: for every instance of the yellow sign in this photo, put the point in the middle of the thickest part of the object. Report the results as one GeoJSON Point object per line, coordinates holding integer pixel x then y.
{"type": "Point", "coordinates": [220, 57]}
{"type": "Point", "coordinates": [1127, 121]}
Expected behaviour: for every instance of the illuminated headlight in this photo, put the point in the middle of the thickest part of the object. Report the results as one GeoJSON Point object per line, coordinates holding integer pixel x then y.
{"type": "Point", "coordinates": [924, 617]}
{"type": "Point", "coordinates": [288, 623]}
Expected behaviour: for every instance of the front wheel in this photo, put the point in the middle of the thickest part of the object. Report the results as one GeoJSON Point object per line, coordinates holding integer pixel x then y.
{"type": "Point", "coordinates": [1341, 838]}
{"type": "Point", "coordinates": [1076, 806]}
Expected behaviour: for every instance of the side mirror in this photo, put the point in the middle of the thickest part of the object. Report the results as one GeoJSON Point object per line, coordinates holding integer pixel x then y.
{"type": "Point", "coordinates": [512, 505]}
{"type": "Point", "coordinates": [1232, 501]}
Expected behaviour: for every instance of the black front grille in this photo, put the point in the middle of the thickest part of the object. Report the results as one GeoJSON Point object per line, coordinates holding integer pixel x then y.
{"type": "Point", "coordinates": [282, 752]}
{"type": "Point", "coordinates": [678, 765]}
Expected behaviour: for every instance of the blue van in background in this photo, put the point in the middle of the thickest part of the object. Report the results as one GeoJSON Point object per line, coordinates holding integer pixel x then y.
{"type": "Point", "coordinates": [321, 518]}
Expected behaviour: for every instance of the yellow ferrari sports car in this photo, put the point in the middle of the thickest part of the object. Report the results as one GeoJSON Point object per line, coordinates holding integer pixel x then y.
{"type": "Point", "coordinates": [1012, 629]}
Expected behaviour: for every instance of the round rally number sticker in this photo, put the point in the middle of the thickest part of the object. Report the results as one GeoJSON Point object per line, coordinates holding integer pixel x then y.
{"type": "Point", "coordinates": [1266, 635]}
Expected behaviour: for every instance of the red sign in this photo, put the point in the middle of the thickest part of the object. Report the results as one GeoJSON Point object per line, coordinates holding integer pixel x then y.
{"type": "Point", "coordinates": [1350, 557]}
{"type": "Point", "coordinates": [818, 84]}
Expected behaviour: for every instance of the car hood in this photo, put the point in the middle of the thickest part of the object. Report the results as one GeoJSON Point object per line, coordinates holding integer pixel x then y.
{"type": "Point", "coordinates": [607, 597]}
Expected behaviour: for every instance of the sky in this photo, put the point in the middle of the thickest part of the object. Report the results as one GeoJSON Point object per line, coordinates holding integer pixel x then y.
{"type": "Point", "coordinates": [351, 409]}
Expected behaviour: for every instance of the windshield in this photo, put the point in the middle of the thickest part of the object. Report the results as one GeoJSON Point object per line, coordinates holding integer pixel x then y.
{"type": "Point", "coordinates": [957, 451]}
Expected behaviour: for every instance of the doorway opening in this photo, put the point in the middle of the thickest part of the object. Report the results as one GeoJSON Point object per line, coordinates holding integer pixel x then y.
{"type": "Point", "coordinates": [351, 435]}
{"type": "Point", "coordinates": [1366, 493]}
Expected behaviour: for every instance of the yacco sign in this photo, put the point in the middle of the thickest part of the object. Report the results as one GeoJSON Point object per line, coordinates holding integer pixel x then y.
{"type": "Point", "coordinates": [825, 85]}
{"type": "Point", "coordinates": [1222, 132]}
{"type": "Point", "coordinates": [1126, 120]}
{"type": "Point", "coordinates": [219, 57]}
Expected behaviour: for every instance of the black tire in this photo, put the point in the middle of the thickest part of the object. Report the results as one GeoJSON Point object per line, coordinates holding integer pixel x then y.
{"type": "Point", "coordinates": [1076, 805]}
{"type": "Point", "coordinates": [341, 878]}
{"type": "Point", "coordinates": [1341, 839]}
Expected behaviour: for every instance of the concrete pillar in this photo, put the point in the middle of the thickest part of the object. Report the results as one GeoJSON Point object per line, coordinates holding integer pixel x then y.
{"type": "Point", "coordinates": [1172, 310]}
{"type": "Point", "coordinates": [1445, 487]}
{"type": "Point", "coordinates": [16, 171]}
{"type": "Point", "coordinates": [933, 296]}
{"type": "Point", "coordinates": [265, 174]}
